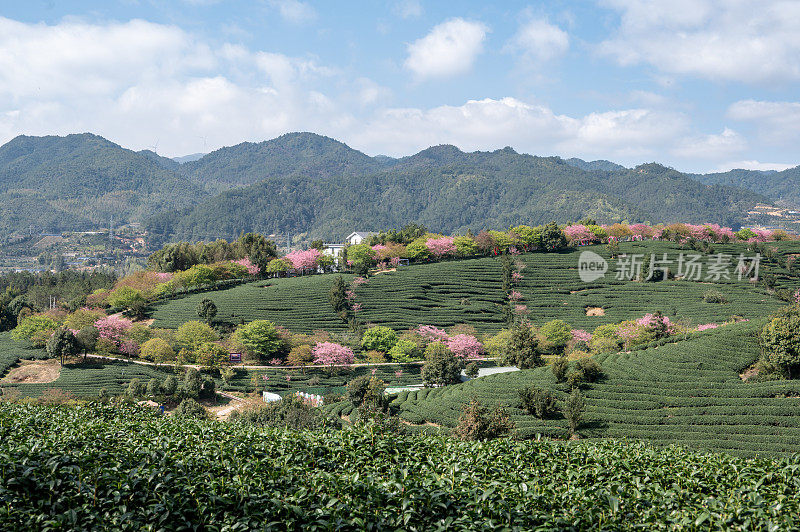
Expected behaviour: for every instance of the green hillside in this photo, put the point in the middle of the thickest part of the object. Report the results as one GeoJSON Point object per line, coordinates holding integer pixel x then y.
{"type": "Point", "coordinates": [687, 392]}
{"type": "Point", "coordinates": [778, 186]}
{"type": "Point", "coordinates": [470, 292]}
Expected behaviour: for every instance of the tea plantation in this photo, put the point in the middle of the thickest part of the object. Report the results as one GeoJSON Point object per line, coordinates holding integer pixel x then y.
{"type": "Point", "coordinates": [470, 292]}
{"type": "Point", "coordinates": [688, 392]}
{"type": "Point", "coordinates": [113, 468]}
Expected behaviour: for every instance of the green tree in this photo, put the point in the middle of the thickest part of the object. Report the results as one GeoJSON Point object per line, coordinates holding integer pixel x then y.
{"type": "Point", "coordinates": [277, 267]}
{"type": "Point", "coordinates": [337, 297]}
{"type": "Point", "coordinates": [206, 310]}
{"type": "Point", "coordinates": [557, 334]}
{"type": "Point", "coordinates": [170, 386]}
{"type": "Point", "coordinates": [87, 339]}
{"type": "Point", "coordinates": [560, 368]}
{"type": "Point", "coordinates": [35, 329]}
{"type": "Point", "coordinates": [780, 341]}
{"type": "Point", "coordinates": [379, 338]}
{"type": "Point", "coordinates": [135, 388]}
{"type": "Point", "coordinates": [62, 345]}
{"type": "Point", "coordinates": [441, 366]}
{"type": "Point", "coordinates": [211, 355]}
{"type": "Point", "coordinates": [553, 238]}
{"type": "Point", "coordinates": [129, 299]}
{"type": "Point", "coordinates": [523, 347]}
{"type": "Point", "coordinates": [405, 351]}
{"type": "Point", "coordinates": [366, 390]}
{"type": "Point", "coordinates": [193, 334]}
{"type": "Point", "coordinates": [472, 370]}
{"type": "Point", "coordinates": [192, 384]}
{"type": "Point", "coordinates": [261, 338]}
{"type": "Point", "coordinates": [157, 350]}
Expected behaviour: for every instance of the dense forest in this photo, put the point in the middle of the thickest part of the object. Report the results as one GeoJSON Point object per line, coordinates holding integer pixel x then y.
{"type": "Point", "coordinates": [307, 183]}
{"type": "Point", "coordinates": [781, 186]}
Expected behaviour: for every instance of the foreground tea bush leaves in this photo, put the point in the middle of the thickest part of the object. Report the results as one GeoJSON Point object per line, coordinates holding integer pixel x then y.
{"type": "Point", "coordinates": [104, 467]}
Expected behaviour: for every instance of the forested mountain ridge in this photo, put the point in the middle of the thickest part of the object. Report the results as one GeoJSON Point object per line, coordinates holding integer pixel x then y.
{"type": "Point", "coordinates": [781, 186]}
{"type": "Point", "coordinates": [306, 155]}
{"type": "Point", "coordinates": [451, 191]}
{"type": "Point", "coordinates": [308, 183]}
{"type": "Point", "coordinates": [79, 181]}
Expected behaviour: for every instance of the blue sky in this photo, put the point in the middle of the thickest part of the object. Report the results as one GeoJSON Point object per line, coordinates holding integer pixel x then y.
{"type": "Point", "coordinates": [700, 85]}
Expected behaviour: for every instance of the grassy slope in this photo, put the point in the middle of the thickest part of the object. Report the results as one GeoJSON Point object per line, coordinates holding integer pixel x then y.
{"type": "Point", "coordinates": [469, 291]}
{"type": "Point", "coordinates": [688, 392]}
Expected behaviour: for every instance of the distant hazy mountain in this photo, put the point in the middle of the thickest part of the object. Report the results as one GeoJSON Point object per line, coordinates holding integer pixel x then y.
{"type": "Point", "coordinates": [307, 183]}
{"type": "Point", "coordinates": [188, 158]}
{"type": "Point", "coordinates": [778, 186]}
{"type": "Point", "coordinates": [601, 165]}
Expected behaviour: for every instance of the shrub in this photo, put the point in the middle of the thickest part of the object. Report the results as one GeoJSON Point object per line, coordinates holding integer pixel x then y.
{"type": "Point", "coordinates": [714, 296]}
{"type": "Point", "coordinates": [189, 408]}
{"type": "Point", "coordinates": [379, 339]}
{"type": "Point", "coordinates": [374, 357]}
{"type": "Point", "coordinates": [170, 386]}
{"type": "Point", "coordinates": [478, 424]}
{"type": "Point", "coordinates": [206, 310]}
{"type": "Point", "coordinates": [366, 390]}
{"type": "Point", "coordinates": [289, 412]}
{"type": "Point", "coordinates": [498, 345]}
{"type": "Point", "coordinates": [574, 407]}
{"type": "Point", "coordinates": [135, 388]}
{"type": "Point", "coordinates": [537, 402]}
{"type": "Point", "coordinates": [329, 353]}
{"type": "Point", "coordinates": [471, 370]}
{"type": "Point", "coordinates": [302, 355]}
{"type": "Point", "coordinates": [590, 368]}
{"type": "Point", "coordinates": [560, 368]}
{"type": "Point", "coordinates": [441, 366]}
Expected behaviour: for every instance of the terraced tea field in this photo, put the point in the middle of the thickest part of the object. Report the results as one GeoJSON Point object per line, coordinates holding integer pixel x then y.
{"type": "Point", "coordinates": [470, 292]}
{"type": "Point", "coordinates": [688, 392]}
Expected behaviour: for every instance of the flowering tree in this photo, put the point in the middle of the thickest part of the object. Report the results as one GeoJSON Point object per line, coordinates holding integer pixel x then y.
{"type": "Point", "coordinates": [515, 295]}
{"type": "Point", "coordinates": [465, 346]}
{"type": "Point", "coordinates": [640, 231]}
{"type": "Point", "coordinates": [304, 260]}
{"type": "Point", "coordinates": [432, 334]}
{"type": "Point", "coordinates": [113, 328]}
{"type": "Point", "coordinates": [579, 234]}
{"type": "Point", "coordinates": [441, 247]}
{"type": "Point", "coordinates": [657, 323]}
{"type": "Point", "coordinates": [130, 348]}
{"type": "Point", "coordinates": [252, 269]}
{"type": "Point", "coordinates": [579, 335]}
{"type": "Point", "coordinates": [329, 353]}
{"type": "Point", "coordinates": [707, 326]}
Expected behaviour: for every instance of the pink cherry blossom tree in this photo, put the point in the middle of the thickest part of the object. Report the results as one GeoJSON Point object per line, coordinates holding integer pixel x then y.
{"type": "Point", "coordinates": [113, 328]}
{"type": "Point", "coordinates": [304, 260]}
{"type": "Point", "coordinates": [465, 346]}
{"type": "Point", "coordinates": [441, 247]}
{"type": "Point", "coordinates": [329, 354]}
{"type": "Point", "coordinates": [252, 269]}
{"type": "Point", "coordinates": [432, 334]}
{"type": "Point", "coordinates": [579, 234]}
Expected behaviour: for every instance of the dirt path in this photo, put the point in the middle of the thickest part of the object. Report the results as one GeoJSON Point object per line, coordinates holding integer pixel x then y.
{"type": "Point", "coordinates": [237, 403]}
{"type": "Point", "coordinates": [33, 372]}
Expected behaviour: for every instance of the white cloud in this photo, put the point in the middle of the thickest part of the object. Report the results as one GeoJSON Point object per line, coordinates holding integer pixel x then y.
{"type": "Point", "coordinates": [752, 165]}
{"type": "Point", "coordinates": [539, 41]}
{"type": "Point", "coordinates": [449, 49]}
{"type": "Point", "coordinates": [711, 146]}
{"type": "Point", "coordinates": [294, 11]}
{"type": "Point", "coordinates": [407, 9]}
{"type": "Point", "coordinates": [138, 82]}
{"type": "Point", "coordinates": [776, 121]}
{"type": "Point", "coordinates": [742, 40]}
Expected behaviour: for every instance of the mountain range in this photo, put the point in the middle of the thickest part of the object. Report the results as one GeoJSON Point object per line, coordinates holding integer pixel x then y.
{"type": "Point", "coordinates": [305, 183]}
